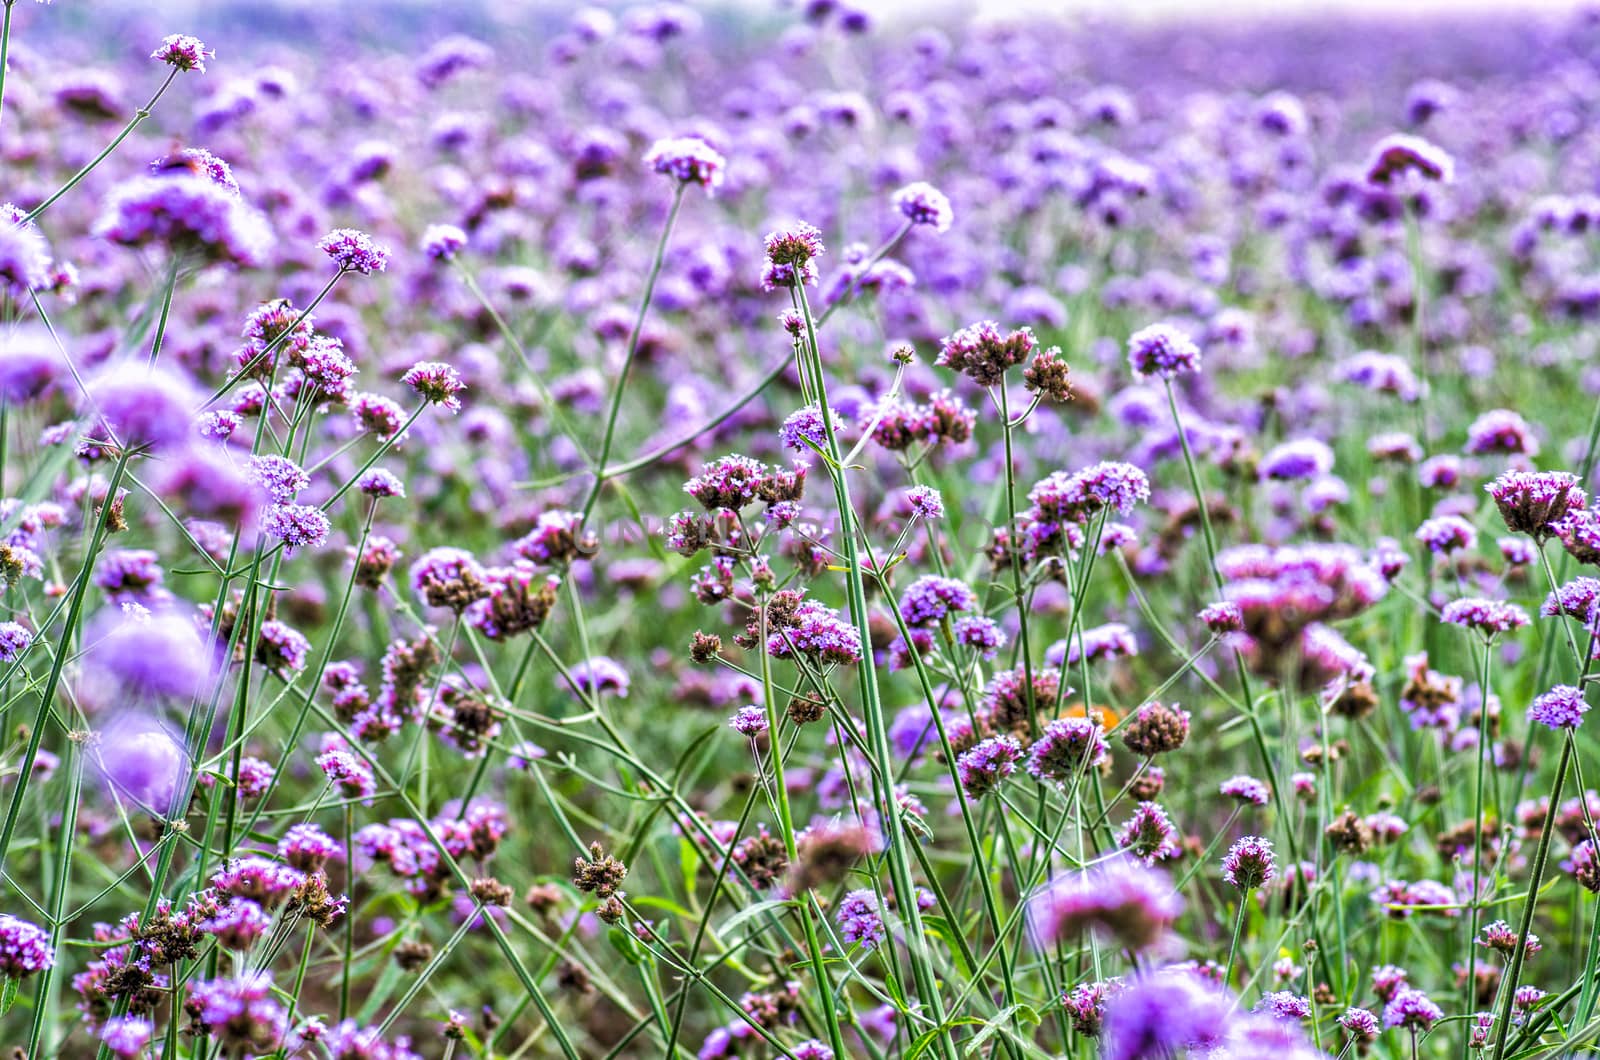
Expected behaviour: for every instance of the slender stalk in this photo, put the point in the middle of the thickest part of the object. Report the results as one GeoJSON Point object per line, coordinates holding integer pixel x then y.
{"type": "Point", "coordinates": [1539, 861]}
{"type": "Point", "coordinates": [127, 130]}
{"type": "Point", "coordinates": [166, 308]}
{"type": "Point", "coordinates": [872, 704]}
{"type": "Point", "coordinates": [80, 590]}
{"type": "Point", "coordinates": [1477, 827]}
{"type": "Point", "coordinates": [5, 54]}
{"type": "Point", "coordinates": [1238, 932]}
{"type": "Point", "coordinates": [633, 348]}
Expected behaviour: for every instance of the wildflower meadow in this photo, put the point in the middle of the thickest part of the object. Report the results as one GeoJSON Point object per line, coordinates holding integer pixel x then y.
{"type": "Point", "coordinates": [789, 530]}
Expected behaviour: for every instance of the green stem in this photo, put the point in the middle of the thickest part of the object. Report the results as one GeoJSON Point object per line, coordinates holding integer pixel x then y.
{"type": "Point", "coordinates": [80, 590]}
{"type": "Point", "coordinates": [1539, 861]}
{"type": "Point", "coordinates": [5, 52]}
{"type": "Point", "coordinates": [633, 348]}
{"type": "Point", "coordinates": [138, 116]}
{"type": "Point", "coordinates": [894, 837]}
{"type": "Point", "coordinates": [166, 308]}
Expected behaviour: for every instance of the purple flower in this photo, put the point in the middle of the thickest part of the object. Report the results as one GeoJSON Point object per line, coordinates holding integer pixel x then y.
{"type": "Point", "coordinates": [791, 254]}
{"type": "Point", "coordinates": [1249, 863]}
{"type": "Point", "coordinates": [1360, 1023]}
{"type": "Point", "coordinates": [1382, 373]}
{"type": "Point", "coordinates": [982, 768]}
{"type": "Point", "coordinates": [1533, 502]}
{"type": "Point", "coordinates": [24, 260]}
{"type": "Point", "coordinates": [1285, 1005]}
{"type": "Point", "coordinates": [189, 214]}
{"type": "Point", "coordinates": [819, 632]}
{"type": "Point", "coordinates": [144, 406]}
{"type": "Point", "coordinates": [127, 1036]}
{"type": "Point", "coordinates": [1446, 534]}
{"type": "Point", "coordinates": [435, 382]}
{"type": "Point", "coordinates": [1110, 641]}
{"type": "Point", "coordinates": [354, 251]}
{"type": "Point", "coordinates": [1399, 154]}
{"type": "Point", "coordinates": [201, 162]}
{"type": "Point", "coordinates": [599, 675]}
{"type": "Point", "coordinates": [15, 639]}
{"type": "Point", "coordinates": [1150, 834]}
{"type": "Point", "coordinates": [1295, 460]}
{"type": "Point", "coordinates": [24, 948]}
{"type": "Point", "coordinates": [238, 924]}
{"type": "Point", "coordinates": [1221, 618]}
{"type": "Point", "coordinates": [983, 352]}
{"type": "Point", "coordinates": [1412, 1009]}
{"type": "Point", "coordinates": [1162, 351]}
{"type": "Point", "coordinates": [347, 772]}
{"type": "Point", "coordinates": [298, 526]}
{"type": "Point", "coordinates": [859, 919]}
{"type": "Point", "coordinates": [281, 478]}
{"type": "Point", "coordinates": [1501, 431]}
{"type": "Point", "coordinates": [749, 721]}
{"type": "Point", "coordinates": [143, 656]}
{"type": "Point", "coordinates": [688, 159]}
{"type": "Point", "coordinates": [379, 482]}
{"type": "Point", "coordinates": [980, 633]}
{"type": "Point", "coordinates": [442, 242]}
{"type": "Point", "coordinates": [1164, 1013]}
{"type": "Point", "coordinates": [1562, 707]}
{"type": "Point", "coordinates": [240, 1013]}
{"type": "Point", "coordinates": [931, 599]}
{"type": "Point", "coordinates": [183, 52]}
{"type": "Point", "coordinates": [1075, 497]}
{"type": "Point", "coordinates": [1246, 789]}
{"type": "Point", "coordinates": [926, 502]}
{"type": "Point", "coordinates": [923, 204]}
{"type": "Point", "coordinates": [1065, 747]}
{"type": "Point", "coordinates": [143, 761]}
{"type": "Point", "coordinates": [1488, 617]}
{"type": "Point", "coordinates": [1119, 897]}
{"type": "Point", "coordinates": [806, 426]}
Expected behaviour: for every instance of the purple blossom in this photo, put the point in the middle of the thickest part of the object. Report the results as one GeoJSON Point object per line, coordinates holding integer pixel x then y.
{"type": "Point", "coordinates": [983, 768]}
{"type": "Point", "coordinates": [1249, 863]}
{"type": "Point", "coordinates": [1563, 707]}
{"type": "Point", "coordinates": [1119, 897]}
{"type": "Point", "coordinates": [436, 383]}
{"type": "Point", "coordinates": [24, 948]}
{"type": "Point", "coordinates": [749, 721]}
{"type": "Point", "coordinates": [859, 919]}
{"type": "Point", "coordinates": [183, 52]}
{"type": "Point", "coordinates": [688, 159]}
{"type": "Point", "coordinates": [1488, 617]}
{"type": "Point", "coordinates": [1162, 351]}
{"type": "Point", "coordinates": [923, 204]}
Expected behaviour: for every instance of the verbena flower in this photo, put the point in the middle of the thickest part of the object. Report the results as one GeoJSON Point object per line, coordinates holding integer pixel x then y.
{"type": "Point", "coordinates": [923, 204]}
{"type": "Point", "coordinates": [183, 52]}
{"type": "Point", "coordinates": [354, 251]}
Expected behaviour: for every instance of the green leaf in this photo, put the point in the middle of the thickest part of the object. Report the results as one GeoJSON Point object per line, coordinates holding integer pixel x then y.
{"type": "Point", "coordinates": [751, 912]}
{"type": "Point", "coordinates": [8, 993]}
{"type": "Point", "coordinates": [624, 943]}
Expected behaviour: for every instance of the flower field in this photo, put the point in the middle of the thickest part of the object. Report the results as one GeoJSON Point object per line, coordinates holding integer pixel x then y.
{"type": "Point", "coordinates": [793, 531]}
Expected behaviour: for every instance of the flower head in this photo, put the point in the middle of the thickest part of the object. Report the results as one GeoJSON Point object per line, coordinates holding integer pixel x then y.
{"type": "Point", "coordinates": [688, 159]}
{"type": "Point", "coordinates": [1399, 154]}
{"type": "Point", "coordinates": [1162, 351]}
{"type": "Point", "coordinates": [183, 52]}
{"type": "Point", "coordinates": [436, 382]}
{"type": "Point", "coordinates": [1563, 707]}
{"type": "Point", "coordinates": [923, 204]}
{"type": "Point", "coordinates": [354, 251]}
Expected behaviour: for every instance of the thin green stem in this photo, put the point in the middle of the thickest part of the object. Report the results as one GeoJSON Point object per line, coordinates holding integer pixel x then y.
{"type": "Point", "coordinates": [127, 130]}
{"type": "Point", "coordinates": [633, 348]}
